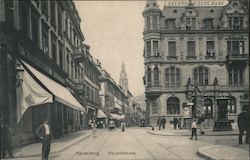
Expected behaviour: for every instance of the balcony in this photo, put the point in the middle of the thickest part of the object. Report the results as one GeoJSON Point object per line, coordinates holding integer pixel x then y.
{"type": "Point", "coordinates": [154, 58]}
{"type": "Point", "coordinates": [237, 58]}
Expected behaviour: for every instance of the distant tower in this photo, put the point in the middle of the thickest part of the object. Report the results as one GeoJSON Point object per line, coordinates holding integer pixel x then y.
{"type": "Point", "coordinates": [123, 78]}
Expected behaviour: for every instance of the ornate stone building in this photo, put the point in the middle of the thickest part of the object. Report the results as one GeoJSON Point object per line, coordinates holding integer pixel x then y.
{"type": "Point", "coordinates": [196, 60]}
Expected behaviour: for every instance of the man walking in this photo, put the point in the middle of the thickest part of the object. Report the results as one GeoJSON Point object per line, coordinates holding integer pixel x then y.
{"type": "Point", "coordinates": [163, 122]}
{"type": "Point", "coordinates": [44, 132]}
{"type": "Point", "coordinates": [194, 129]}
{"type": "Point", "coordinates": [5, 140]}
{"type": "Point", "coordinates": [175, 122]}
{"type": "Point", "coordinates": [243, 124]}
{"type": "Point", "coordinates": [159, 123]}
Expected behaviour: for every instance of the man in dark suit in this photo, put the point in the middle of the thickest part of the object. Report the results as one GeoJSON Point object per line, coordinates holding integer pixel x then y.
{"type": "Point", "coordinates": [44, 132]}
{"type": "Point", "coordinates": [163, 122]}
{"type": "Point", "coordinates": [243, 124]}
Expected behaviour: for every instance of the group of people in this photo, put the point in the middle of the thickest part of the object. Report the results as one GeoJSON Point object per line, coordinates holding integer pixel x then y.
{"type": "Point", "coordinates": [161, 122]}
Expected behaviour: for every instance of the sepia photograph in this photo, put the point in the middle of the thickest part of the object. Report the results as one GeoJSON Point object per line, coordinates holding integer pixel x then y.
{"type": "Point", "coordinates": [124, 80]}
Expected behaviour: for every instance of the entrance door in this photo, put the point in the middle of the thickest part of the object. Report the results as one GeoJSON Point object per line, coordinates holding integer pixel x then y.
{"type": "Point", "coordinates": [222, 109]}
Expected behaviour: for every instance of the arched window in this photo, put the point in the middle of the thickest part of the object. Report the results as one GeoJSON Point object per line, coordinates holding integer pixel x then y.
{"type": "Point", "coordinates": [156, 76]}
{"type": "Point", "coordinates": [149, 76]}
{"type": "Point", "coordinates": [173, 105]}
{"type": "Point", "coordinates": [154, 107]}
{"type": "Point", "coordinates": [172, 75]}
{"type": "Point", "coordinates": [232, 105]}
{"type": "Point", "coordinates": [148, 23]}
{"type": "Point", "coordinates": [201, 75]}
{"type": "Point", "coordinates": [208, 107]}
{"type": "Point", "coordinates": [154, 22]}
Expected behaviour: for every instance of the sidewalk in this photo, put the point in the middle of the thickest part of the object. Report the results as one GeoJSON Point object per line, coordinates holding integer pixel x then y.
{"type": "Point", "coordinates": [58, 145]}
{"type": "Point", "coordinates": [170, 131]}
{"type": "Point", "coordinates": [216, 152]}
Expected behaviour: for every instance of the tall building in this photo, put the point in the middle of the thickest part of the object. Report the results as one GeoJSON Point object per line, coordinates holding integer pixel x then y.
{"type": "Point", "coordinates": [196, 60]}
{"type": "Point", "coordinates": [45, 68]}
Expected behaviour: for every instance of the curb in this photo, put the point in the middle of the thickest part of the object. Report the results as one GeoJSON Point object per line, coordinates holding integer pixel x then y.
{"type": "Point", "coordinates": [205, 155]}
{"type": "Point", "coordinates": [171, 134]}
{"type": "Point", "coordinates": [57, 151]}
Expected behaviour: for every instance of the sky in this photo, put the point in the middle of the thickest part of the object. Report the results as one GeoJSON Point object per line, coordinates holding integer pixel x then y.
{"type": "Point", "coordinates": [113, 29]}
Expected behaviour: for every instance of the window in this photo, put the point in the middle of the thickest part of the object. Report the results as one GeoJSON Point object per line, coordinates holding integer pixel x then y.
{"type": "Point", "coordinates": [235, 47]}
{"type": "Point", "coordinates": [232, 105]}
{"type": "Point", "coordinates": [61, 55]}
{"type": "Point", "coordinates": [148, 23]}
{"type": "Point", "coordinates": [170, 24]}
{"type": "Point", "coordinates": [210, 49]}
{"type": "Point", "coordinates": [44, 7]}
{"type": "Point", "coordinates": [45, 38]}
{"type": "Point", "coordinates": [9, 11]}
{"type": "Point", "coordinates": [156, 48]}
{"type": "Point", "coordinates": [34, 29]}
{"type": "Point", "coordinates": [149, 76]}
{"type": "Point", "coordinates": [191, 49]}
{"type": "Point", "coordinates": [154, 107]}
{"type": "Point", "coordinates": [53, 12]}
{"type": "Point", "coordinates": [172, 75]}
{"type": "Point", "coordinates": [208, 24]}
{"type": "Point", "coordinates": [236, 76]}
{"type": "Point", "coordinates": [148, 48]}
{"type": "Point", "coordinates": [201, 75]}
{"type": "Point", "coordinates": [190, 23]}
{"type": "Point", "coordinates": [154, 22]}
{"type": "Point", "coordinates": [53, 48]}
{"type": "Point", "coordinates": [59, 18]}
{"type": "Point", "coordinates": [156, 76]}
{"type": "Point", "coordinates": [235, 22]}
{"type": "Point", "coordinates": [67, 61]}
{"type": "Point", "coordinates": [173, 106]}
{"type": "Point", "coordinates": [208, 108]}
{"type": "Point", "coordinates": [172, 49]}
{"type": "Point", "coordinates": [24, 17]}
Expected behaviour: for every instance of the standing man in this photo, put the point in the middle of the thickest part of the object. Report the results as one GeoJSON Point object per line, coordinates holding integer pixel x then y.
{"type": "Point", "coordinates": [90, 123]}
{"type": "Point", "coordinates": [175, 122]}
{"type": "Point", "coordinates": [159, 123]}
{"type": "Point", "coordinates": [243, 124]}
{"type": "Point", "coordinates": [194, 129]}
{"type": "Point", "coordinates": [45, 134]}
{"type": "Point", "coordinates": [5, 140]}
{"type": "Point", "coordinates": [163, 122]}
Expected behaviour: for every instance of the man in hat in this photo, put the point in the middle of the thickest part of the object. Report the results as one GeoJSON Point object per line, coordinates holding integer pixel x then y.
{"type": "Point", "coordinates": [44, 132]}
{"type": "Point", "coordinates": [194, 129]}
{"type": "Point", "coordinates": [5, 140]}
{"type": "Point", "coordinates": [243, 124]}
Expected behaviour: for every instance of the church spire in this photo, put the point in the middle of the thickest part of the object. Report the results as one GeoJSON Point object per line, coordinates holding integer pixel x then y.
{"type": "Point", "coordinates": [123, 78]}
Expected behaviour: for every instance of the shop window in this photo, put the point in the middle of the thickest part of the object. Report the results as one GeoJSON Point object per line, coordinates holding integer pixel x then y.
{"type": "Point", "coordinates": [173, 105]}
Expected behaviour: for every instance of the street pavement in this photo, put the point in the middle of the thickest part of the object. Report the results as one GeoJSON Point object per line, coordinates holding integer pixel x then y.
{"type": "Point", "coordinates": [138, 144]}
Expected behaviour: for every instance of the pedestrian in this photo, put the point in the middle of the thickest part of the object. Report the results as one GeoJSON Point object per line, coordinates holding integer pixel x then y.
{"type": "Point", "coordinates": [243, 124]}
{"type": "Point", "coordinates": [179, 123]}
{"type": "Point", "coordinates": [163, 122]}
{"type": "Point", "coordinates": [175, 122]}
{"type": "Point", "coordinates": [94, 128]}
{"type": "Point", "coordinates": [159, 123]}
{"type": "Point", "coordinates": [194, 129]}
{"type": "Point", "coordinates": [45, 134]}
{"type": "Point", "coordinates": [90, 123]}
{"type": "Point", "coordinates": [202, 125]}
{"type": "Point", "coordinates": [5, 140]}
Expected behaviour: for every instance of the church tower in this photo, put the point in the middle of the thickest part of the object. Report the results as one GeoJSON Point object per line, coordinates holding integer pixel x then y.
{"type": "Point", "coordinates": [123, 78]}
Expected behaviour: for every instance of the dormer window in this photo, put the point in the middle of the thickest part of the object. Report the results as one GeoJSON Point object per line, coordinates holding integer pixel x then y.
{"type": "Point", "coordinates": [208, 23]}
{"type": "Point", "coordinates": [235, 22]}
{"type": "Point", "coordinates": [190, 23]}
{"type": "Point", "coordinates": [170, 23]}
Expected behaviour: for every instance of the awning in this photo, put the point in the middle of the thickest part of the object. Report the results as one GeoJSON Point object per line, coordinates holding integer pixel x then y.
{"type": "Point", "coordinates": [61, 93]}
{"type": "Point", "coordinates": [114, 116]}
{"type": "Point", "coordinates": [117, 106]}
{"type": "Point", "coordinates": [101, 114]}
{"type": "Point", "coordinates": [122, 116]}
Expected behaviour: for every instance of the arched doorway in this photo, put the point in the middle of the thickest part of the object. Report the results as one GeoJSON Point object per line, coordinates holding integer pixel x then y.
{"type": "Point", "coordinates": [173, 105]}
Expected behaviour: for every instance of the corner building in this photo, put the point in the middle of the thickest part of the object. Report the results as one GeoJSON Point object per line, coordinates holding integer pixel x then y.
{"type": "Point", "coordinates": [198, 56]}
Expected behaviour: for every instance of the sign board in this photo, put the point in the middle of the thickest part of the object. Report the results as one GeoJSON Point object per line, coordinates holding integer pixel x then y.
{"type": "Point", "coordinates": [196, 2]}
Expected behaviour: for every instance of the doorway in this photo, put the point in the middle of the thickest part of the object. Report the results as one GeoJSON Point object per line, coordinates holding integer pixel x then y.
{"type": "Point", "coordinates": [222, 109]}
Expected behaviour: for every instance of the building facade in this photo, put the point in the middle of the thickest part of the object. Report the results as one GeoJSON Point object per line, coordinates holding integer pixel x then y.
{"type": "Point", "coordinates": [196, 60]}
{"type": "Point", "coordinates": [45, 39]}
